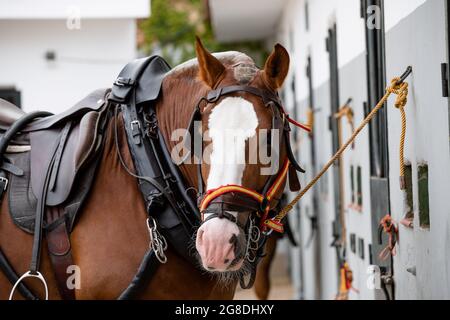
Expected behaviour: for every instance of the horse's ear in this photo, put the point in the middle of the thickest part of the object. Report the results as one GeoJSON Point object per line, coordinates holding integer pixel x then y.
{"type": "Point", "coordinates": [276, 67]}
{"type": "Point", "coordinates": [210, 67]}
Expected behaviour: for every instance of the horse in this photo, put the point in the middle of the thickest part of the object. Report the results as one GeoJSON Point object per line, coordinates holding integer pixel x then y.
{"type": "Point", "coordinates": [110, 236]}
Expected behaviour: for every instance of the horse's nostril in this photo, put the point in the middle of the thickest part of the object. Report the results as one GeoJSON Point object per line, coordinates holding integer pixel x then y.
{"type": "Point", "coordinates": [226, 261]}
{"type": "Point", "coordinates": [234, 240]}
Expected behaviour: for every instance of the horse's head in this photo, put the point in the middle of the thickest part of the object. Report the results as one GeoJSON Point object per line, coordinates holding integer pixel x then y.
{"type": "Point", "coordinates": [240, 113]}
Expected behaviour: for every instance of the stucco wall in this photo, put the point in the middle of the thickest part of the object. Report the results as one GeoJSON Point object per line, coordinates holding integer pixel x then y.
{"type": "Point", "coordinates": [86, 59]}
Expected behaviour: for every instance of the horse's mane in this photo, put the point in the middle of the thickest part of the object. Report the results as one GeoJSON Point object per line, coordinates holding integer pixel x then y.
{"type": "Point", "coordinates": [228, 59]}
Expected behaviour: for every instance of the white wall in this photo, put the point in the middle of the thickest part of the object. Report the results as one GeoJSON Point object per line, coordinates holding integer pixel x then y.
{"type": "Point", "coordinates": [396, 10]}
{"type": "Point", "coordinates": [61, 9]}
{"type": "Point", "coordinates": [86, 59]}
{"type": "Point", "coordinates": [351, 34]}
{"type": "Point", "coordinates": [423, 144]}
{"type": "Point", "coordinates": [424, 47]}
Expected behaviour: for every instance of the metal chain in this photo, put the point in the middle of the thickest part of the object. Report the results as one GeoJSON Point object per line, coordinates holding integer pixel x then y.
{"type": "Point", "coordinates": [254, 235]}
{"type": "Point", "coordinates": [158, 242]}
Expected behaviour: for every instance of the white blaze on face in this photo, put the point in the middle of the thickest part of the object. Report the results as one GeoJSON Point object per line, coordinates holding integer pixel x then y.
{"type": "Point", "coordinates": [231, 124]}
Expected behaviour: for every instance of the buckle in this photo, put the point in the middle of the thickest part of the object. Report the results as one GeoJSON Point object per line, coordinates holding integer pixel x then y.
{"type": "Point", "coordinates": [124, 82]}
{"type": "Point", "coordinates": [214, 95]}
{"type": "Point", "coordinates": [5, 181]}
{"type": "Point", "coordinates": [135, 123]}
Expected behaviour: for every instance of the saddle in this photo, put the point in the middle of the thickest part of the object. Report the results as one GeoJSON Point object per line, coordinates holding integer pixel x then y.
{"type": "Point", "coordinates": [59, 153]}
{"type": "Point", "coordinates": [77, 132]}
{"type": "Point", "coordinates": [51, 161]}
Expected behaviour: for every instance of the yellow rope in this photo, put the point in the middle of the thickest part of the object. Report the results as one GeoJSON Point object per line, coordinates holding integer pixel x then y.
{"type": "Point", "coordinates": [398, 88]}
{"type": "Point", "coordinates": [400, 103]}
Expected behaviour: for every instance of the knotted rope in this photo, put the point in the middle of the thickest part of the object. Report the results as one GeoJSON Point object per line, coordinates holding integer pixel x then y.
{"type": "Point", "coordinates": [402, 97]}
{"type": "Point", "coordinates": [397, 87]}
{"type": "Point", "coordinates": [388, 226]}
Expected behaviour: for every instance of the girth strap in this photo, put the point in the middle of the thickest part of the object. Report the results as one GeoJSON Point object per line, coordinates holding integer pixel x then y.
{"type": "Point", "coordinates": [60, 250]}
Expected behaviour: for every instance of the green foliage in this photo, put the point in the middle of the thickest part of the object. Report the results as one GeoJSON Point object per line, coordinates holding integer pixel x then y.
{"type": "Point", "coordinates": [173, 25]}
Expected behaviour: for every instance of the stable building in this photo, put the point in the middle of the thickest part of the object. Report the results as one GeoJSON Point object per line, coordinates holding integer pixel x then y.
{"type": "Point", "coordinates": [64, 49]}
{"type": "Point", "coordinates": [344, 53]}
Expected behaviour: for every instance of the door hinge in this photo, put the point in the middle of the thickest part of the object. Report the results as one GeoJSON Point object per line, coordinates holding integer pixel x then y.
{"type": "Point", "coordinates": [444, 75]}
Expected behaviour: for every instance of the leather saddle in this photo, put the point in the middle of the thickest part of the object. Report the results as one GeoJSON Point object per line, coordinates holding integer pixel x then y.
{"type": "Point", "coordinates": [9, 114]}
{"type": "Point", "coordinates": [51, 161]}
{"type": "Point", "coordinates": [78, 135]}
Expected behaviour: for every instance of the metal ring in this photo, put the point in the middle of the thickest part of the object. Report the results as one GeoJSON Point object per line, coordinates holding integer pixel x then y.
{"type": "Point", "coordinates": [251, 260]}
{"type": "Point", "coordinates": [153, 228]}
{"type": "Point", "coordinates": [28, 274]}
{"type": "Point", "coordinates": [255, 231]}
{"type": "Point", "coordinates": [161, 257]}
{"type": "Point", "coordinates": [268, 233]}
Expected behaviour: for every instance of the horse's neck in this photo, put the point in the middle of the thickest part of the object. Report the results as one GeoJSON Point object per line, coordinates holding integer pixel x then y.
{"type": "Point", "coordinates": [180, 95]}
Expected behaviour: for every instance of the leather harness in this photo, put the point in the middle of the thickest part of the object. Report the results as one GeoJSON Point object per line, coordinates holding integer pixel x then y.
{"type": "Point", "coordinates": [238, 198]}
{"type": "Point", "coordinates": [174, 214]}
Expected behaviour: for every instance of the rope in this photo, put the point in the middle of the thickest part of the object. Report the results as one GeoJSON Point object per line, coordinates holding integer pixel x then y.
{"type": "Point", "coordinates": [343, 112]}
{"type": "Point", "coordinates": [400, 103]}
{"type": "Point", "coordinates": [347, 111]}
{"type": "Point", "coordinates": [397, 87]}
{"type": "Point", "coordinates": [388, 226]}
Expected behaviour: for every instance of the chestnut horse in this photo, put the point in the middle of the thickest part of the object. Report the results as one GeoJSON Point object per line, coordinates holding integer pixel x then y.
{"type": "Point", "coordinates": [111, 237]}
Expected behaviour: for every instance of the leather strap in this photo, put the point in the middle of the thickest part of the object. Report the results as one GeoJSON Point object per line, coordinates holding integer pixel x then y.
{"type": "Point", "coordinates": [266, 96]}
{"type": "Point", "coordinates": [39, 219]}
{"type": "Point", "coordinates": [11, 274]}
{"type": "Point", "coordinates": [233, 202]}
{"type": "Point", "coordinates": [59, 151]}
{"type": "Point", "coordinates": [6, 166]}
{"type": "Point", "coordinates": [60, 250]}
{"type": "Point", "coordinates": [142, 278]}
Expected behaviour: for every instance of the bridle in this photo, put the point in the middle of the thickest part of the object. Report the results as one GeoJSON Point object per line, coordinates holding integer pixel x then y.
{"type": "Point", "coordinates": [219, 202]}
{"type": "Point", "coordinates": [235, 198]}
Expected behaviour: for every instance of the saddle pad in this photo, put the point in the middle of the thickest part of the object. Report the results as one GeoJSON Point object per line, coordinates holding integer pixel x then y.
{"type": "Point", "coordinates": [22, 201]}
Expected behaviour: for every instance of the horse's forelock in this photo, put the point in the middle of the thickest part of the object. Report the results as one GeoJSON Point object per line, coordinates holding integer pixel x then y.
{"type": "Point", "coordinates": [244, 67]}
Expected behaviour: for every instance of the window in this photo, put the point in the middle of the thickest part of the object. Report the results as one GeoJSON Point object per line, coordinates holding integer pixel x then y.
{"type": "Point", "coordinates": [294, 109]}
{"type": "Point", "coordinates": [361, 248]}
{"type": "Point", "coordinates": [331, 45]}
{"type": "Point", "coordinates": [376, 83]}
{"type": "Point", "coordinates": [378, 135]}
{"type": "Point", "coordinates": [353, 243]}
{"type": "Point", "coordinates": [312, 136]}
{"type": "Point", "coordinates": [11, 95]}
{"type": "Point", "coordinates": [409, 205]}
{"type": "Point", "coordinates": [352, 184]}
{"type": "Point", "coordinates": [359, 195]}
{"type": "Point", "coordinates": [424, 205]}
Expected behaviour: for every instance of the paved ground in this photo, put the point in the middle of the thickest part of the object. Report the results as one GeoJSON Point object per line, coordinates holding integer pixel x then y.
{"type": "Point", "coordinates": [279, 292]}
{"type": "Point", "coordinates": [281, 283]}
